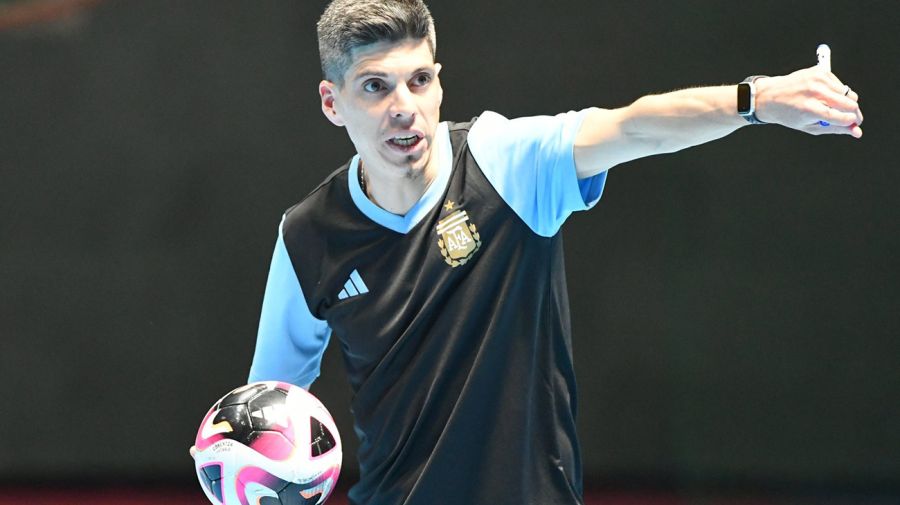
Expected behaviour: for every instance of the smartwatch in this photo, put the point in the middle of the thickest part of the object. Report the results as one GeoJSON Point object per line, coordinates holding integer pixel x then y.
{"type": "Point", "coordinates": [746, 99]}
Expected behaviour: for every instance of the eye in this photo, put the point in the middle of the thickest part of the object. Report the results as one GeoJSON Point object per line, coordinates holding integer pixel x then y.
{"type": "Point", "coordinates": [422, 79]}
{"type": "Point", "coordinates": [373, 86]}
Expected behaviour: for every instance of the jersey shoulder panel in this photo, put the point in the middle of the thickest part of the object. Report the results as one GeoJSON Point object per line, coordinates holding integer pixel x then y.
{"type": "Point", "coordinates": [531, 163]}
{"type": "Point", "coordinates": [310, 200]}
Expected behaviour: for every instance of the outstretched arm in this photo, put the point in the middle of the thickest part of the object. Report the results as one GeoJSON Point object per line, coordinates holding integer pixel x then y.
{"type": "Point", "coordinates": [673, 121]}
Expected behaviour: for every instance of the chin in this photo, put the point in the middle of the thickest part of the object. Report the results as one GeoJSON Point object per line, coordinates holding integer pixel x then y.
{"type": "Point", "coordinates": [418, 166]}
{"type": "Point", "coordinates": [412, 166]}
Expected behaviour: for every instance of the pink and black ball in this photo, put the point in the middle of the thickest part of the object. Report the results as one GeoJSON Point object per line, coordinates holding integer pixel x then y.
{"type": "Point", "coordinates": [260, 416]}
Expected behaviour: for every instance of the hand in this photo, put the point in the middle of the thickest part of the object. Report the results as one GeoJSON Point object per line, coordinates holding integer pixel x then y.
{"type": "Point", "coordinates": [801, 99]}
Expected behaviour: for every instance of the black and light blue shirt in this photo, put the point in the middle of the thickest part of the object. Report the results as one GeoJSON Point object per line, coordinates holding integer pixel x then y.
{"type": "Point", "coordinates": [453, 319]}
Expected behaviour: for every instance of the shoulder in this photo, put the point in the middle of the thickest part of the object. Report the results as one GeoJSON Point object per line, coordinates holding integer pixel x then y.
{"type": "Point", "coordinates": [533, 144]}
{"type": "Point", "coordinates": [335, 181]}
{"type": "Point", "coordinates": [494, 131]}
{"type": "Point", "coordinates": [330, 192]}
{"type": "Point", "coordinates": [530, 162]}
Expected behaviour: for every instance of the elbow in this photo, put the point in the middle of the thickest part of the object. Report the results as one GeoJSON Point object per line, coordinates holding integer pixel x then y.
{"type": "Point", "coordinates": [653, 126]}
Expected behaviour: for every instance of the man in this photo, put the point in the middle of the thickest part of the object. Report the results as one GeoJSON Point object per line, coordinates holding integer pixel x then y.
{"type": "Point", "coordinates": [434, 256]}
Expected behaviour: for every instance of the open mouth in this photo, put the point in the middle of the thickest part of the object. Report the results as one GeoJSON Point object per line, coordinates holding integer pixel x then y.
{"type": "Point", "coordinates": [405, 141]}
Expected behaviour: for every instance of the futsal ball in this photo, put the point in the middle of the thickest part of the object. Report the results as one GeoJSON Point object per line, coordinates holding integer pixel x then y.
{"type": "Point", "coordinates": [267, 443]}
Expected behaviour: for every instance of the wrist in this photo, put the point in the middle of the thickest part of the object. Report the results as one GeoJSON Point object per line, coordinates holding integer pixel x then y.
{"type": "Point", "coordinates": [762, 99]}
{"type": "Point", "coordinates": [747, 99]}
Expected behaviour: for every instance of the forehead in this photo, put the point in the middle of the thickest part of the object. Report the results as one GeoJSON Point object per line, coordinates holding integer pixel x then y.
{"type": "Point", "coordinates": [389, 58]}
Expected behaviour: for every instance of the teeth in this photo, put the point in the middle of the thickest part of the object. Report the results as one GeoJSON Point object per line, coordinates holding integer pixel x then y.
{"type": "Point", "coordinates": [405, 141]}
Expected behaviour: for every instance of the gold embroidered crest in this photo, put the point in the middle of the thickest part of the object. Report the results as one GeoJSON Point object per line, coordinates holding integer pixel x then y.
{"type": "Point", "coordinates": [459, 238]}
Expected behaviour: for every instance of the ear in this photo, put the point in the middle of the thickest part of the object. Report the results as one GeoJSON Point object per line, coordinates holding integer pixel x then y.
{"type": "Point", "coordinates": [328, 94]}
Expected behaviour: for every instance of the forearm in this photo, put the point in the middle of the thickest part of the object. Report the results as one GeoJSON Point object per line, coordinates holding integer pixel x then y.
{"type": "Point", "coordinates": [656, 124]}
{"type": "Point", "coordinates": [808, 100]}
{"type": "Point", "coordinates": [674, 121]}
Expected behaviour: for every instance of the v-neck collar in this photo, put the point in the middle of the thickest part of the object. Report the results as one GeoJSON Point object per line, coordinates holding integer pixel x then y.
{"type": "Point", "coordinates": [432, 196]}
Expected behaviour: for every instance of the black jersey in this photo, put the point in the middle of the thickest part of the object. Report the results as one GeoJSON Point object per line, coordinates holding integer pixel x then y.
{"type": "Point", "coordinates": [454, 327]}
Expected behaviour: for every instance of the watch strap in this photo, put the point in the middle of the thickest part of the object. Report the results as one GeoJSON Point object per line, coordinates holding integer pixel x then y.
{"type": "Point", "coordinates": [751, 117]}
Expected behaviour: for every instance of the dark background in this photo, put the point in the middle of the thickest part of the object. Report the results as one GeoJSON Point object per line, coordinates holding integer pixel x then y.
{"type": "Point", "coordinates": [735, 306]}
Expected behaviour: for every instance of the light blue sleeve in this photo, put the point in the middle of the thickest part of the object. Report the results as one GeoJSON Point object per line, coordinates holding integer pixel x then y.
{"type": "Point", "coordinates": [290, 341]}
{"type": "Point", "coordinates": [530, 161]}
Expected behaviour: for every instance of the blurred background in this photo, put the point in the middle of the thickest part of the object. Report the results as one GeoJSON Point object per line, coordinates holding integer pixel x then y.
{"type": "Point", "coordinates": [736, 306]}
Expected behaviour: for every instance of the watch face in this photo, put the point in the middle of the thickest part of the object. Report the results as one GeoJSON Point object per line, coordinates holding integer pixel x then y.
{"type": "Point", "coordinates": [744, 105]}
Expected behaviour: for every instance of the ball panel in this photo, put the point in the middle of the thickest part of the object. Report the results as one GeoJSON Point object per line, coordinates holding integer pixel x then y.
{"type": "Point", "coordinates": [252, 475]}
{"type": "Point", "coordinates": [272, 444]}
{"type": "Point", "coordinates": [243, 394]}
{"type": "Point", "coordinates": [272, 398]}
{"type": "Point", "coordinates": [296, 494]}
{"type": "Point", "coordinates": [211, 478]}
{"type": "Point", "coordinates": [321, 439]}
{"type": "Point", "coordinates": [208, 434]}
{"type": "Point", "coordinates": [269, 411]}
{"type": "Point", "coordinates": [237, 419]}
{"type": "Point", "coordinates": [317, 490]}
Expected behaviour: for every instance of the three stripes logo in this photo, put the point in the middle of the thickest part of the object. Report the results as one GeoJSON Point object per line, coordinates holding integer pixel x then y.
{"type": "Point", "coordinates": [353, 287]}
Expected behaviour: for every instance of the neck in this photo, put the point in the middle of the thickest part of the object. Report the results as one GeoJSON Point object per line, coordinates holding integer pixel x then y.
{"type": "Point", "coordinates": [396, 191]}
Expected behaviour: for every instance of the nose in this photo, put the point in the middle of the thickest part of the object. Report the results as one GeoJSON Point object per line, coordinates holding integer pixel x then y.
{"type": "Point", "coordinates": [402, 105]}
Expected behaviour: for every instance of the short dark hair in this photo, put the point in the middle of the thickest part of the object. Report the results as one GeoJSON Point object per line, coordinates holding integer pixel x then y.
{"type": "Point", "coordinates": [348, 24]}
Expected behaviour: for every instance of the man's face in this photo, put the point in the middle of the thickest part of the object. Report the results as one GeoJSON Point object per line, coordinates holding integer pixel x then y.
{"type": "Point", "coordinates": [390, 104]}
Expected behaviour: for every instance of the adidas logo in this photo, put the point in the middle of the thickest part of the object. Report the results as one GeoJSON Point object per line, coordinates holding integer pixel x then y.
{"type": "Point", "coordinates": [353, 287]}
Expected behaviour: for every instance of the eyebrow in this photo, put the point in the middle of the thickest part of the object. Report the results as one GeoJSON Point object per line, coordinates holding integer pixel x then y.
{"type": "Point", "coordinates": [376, 73]}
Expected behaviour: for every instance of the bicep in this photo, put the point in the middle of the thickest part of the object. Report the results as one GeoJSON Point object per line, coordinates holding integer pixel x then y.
{"type": "Point", "coordinates": [290, 341]}
{"type": "Point", "coordinates": [602, 142]}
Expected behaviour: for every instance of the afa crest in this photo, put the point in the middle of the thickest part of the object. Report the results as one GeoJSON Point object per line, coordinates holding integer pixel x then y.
{"type": "Point", "coordinates": [459, 240]}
